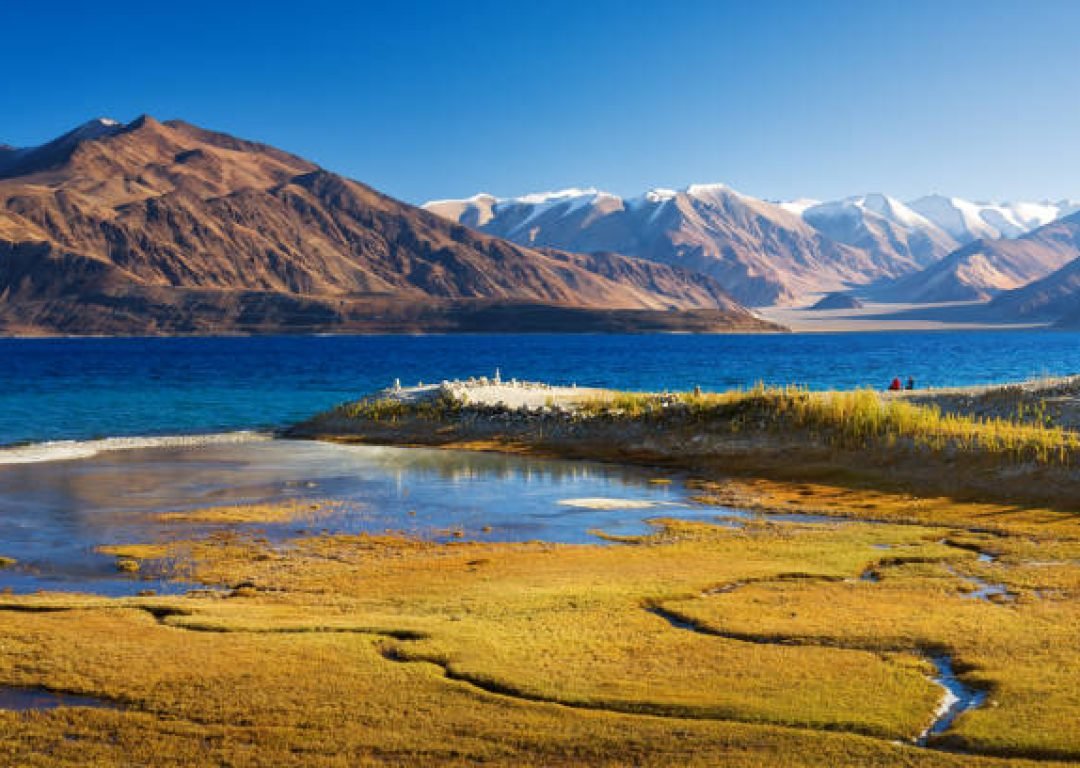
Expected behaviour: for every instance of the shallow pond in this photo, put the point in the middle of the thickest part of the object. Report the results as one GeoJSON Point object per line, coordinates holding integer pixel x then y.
{"type": "Point", "coordinates": [54, 513]}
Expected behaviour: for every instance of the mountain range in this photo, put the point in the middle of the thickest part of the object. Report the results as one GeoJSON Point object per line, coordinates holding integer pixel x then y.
{"type": "Point", "coordinates": [932, 249]}
{"type": "Point", "coordinates": [761, 253]}
{"type": "Point", "coordinates": [164, 227]}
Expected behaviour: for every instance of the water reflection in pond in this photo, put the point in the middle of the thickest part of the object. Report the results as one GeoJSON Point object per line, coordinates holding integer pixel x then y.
{"type": "Point", "coordinates": [53, 514]}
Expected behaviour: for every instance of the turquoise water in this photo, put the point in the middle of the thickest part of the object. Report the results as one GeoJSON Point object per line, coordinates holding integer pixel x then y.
{"type": "Point", "coordinates": [79, 389]}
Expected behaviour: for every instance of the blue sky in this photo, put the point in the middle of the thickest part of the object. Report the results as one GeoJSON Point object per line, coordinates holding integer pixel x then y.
{"type": "Point", "coordinates": [425, 100]}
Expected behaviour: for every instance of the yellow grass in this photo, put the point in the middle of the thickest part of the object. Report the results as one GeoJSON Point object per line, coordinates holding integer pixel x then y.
{"type": "Point", "coordinates": [856, 419]}
{"type": "Point", "coordinates": [137, 551]}
{"type": "Point", "coordinates": [354, 649]}
{"type": "Point", "coordinates": [278, 512]}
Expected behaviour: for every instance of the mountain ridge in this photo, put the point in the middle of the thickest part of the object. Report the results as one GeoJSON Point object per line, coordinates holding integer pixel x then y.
{"type": "Point", "coordinates": [764, 252]}
{"type": "Point", "coordinates": [761, 253]}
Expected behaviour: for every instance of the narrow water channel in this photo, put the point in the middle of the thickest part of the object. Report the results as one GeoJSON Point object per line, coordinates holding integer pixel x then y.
{"type": "Point", "coordinates": [957, 699]}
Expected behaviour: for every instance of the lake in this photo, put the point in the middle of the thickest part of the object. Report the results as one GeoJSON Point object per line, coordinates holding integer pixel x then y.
{"type": "Point", "coordinates": [80, 389]}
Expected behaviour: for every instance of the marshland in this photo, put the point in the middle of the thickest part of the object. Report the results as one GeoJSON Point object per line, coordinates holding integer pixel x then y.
{"type": "Point", "coordinates": [510, 573]}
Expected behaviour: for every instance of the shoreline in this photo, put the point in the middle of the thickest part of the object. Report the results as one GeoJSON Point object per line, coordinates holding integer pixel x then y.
{"type": "Point", "coordinates": [535, 419]}
{"type": "Point", "coordinates": [43, 451]}
{"type": "Point", "coordinates": [875, 316]}
{"type": "Point", "coordinates": [791, 318]}
{"type": "Point", "coordinates": [987, 400]}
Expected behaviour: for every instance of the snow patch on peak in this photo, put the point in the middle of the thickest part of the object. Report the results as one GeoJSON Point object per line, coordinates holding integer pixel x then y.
{"type": "Point", "coordinates": [479, 197]}
{"type": "Point", "coordinates": [660, 195]}
{"type": "Point", "coordinates": [701, 190]}
{"type": "Point", "coordinates": [799, 206]}
{"type": "Point", "coordinates": [963, 219]}
{"type": "Point", "coordinates": [561, 203]}
{"type": "Point", "coordinates": [539, 198]}
{"type": "Point", "coordinates": [892, 209]}
{"type": "Point", "coordinates": [879, 203]}
{"type": "Point", "coordinates": [1035, 215]}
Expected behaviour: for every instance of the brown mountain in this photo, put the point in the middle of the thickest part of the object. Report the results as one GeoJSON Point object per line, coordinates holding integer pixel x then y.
{"type": "Point", "coordinates": [762, 253]}
{"type": "Point", "coordinates": [986, 268]}
{"type": "Point", "coordinates": [166, 227]}
{"type": "Point", "coordinates": [1055, 298]}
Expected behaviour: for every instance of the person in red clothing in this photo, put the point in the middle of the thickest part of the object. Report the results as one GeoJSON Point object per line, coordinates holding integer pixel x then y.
{"type": "Point", "coordinates": [895, 386]}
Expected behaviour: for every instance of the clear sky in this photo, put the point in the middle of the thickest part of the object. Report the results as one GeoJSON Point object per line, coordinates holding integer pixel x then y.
{"type": "Point", "coordinates": [820, 98]}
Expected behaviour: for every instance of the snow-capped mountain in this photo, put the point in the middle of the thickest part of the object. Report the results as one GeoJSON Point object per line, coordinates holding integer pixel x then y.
{"type": "Point", "coordinates": [986, 268]}
{"type": "Point", "coordinates": [883, 224]}
{"type": "Point", "coordinates": [799, 206]}
{"type": "Point", "coordinates": [1051, 295]}
{"type": "Point", "coordinates": [965, 220]}
{"type": "Point", "coordinates": [766, 252]}
{"type": "Point", "coordinates": [760, 251]}
{"type": "Point", "coordinates": [928, 228]}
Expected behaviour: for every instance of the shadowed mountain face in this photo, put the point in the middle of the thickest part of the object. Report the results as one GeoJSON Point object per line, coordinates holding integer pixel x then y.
{"type": "Point", "coordinates": [1071, 320]}
{"type": "Point", "coordinates": [986, 268]}
{"type": "Point", "coordinates": [166, 227]}
{"type": "Point", "coordinates": [758, 251]}
{"type": "Point", "coordinates": [1054, 298]}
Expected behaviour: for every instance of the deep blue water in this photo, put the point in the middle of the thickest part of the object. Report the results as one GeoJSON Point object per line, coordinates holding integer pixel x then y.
{"type": "Point", "coordinates": [84, 388]}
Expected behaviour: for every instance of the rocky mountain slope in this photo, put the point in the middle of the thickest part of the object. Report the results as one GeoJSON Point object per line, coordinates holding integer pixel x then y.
{"type": "Point", "coordinates": [986, 268]}
{"type": "Point", "coordinates": [758, 251]}
{"type": "Point", "coordinates": [767, 253]}
{"type": "Point", "coordinates": [166, 227]}
{"type": "Point", "coordinates": [881, 224]}
{"type": "Point", "coordinates": [1054, 298]}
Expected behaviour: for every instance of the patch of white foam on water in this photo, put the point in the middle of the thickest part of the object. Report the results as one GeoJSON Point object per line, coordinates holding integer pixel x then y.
{"type": "Point", "coordinates": [603, 503]}
{"type": "Point", "coordinates": [949, 701]}
{"type": "Point", "coordinates": [68, 450]}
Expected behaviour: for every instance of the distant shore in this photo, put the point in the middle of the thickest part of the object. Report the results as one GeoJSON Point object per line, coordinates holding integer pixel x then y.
{"type": "Point", "coordinates": [878, 316]}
